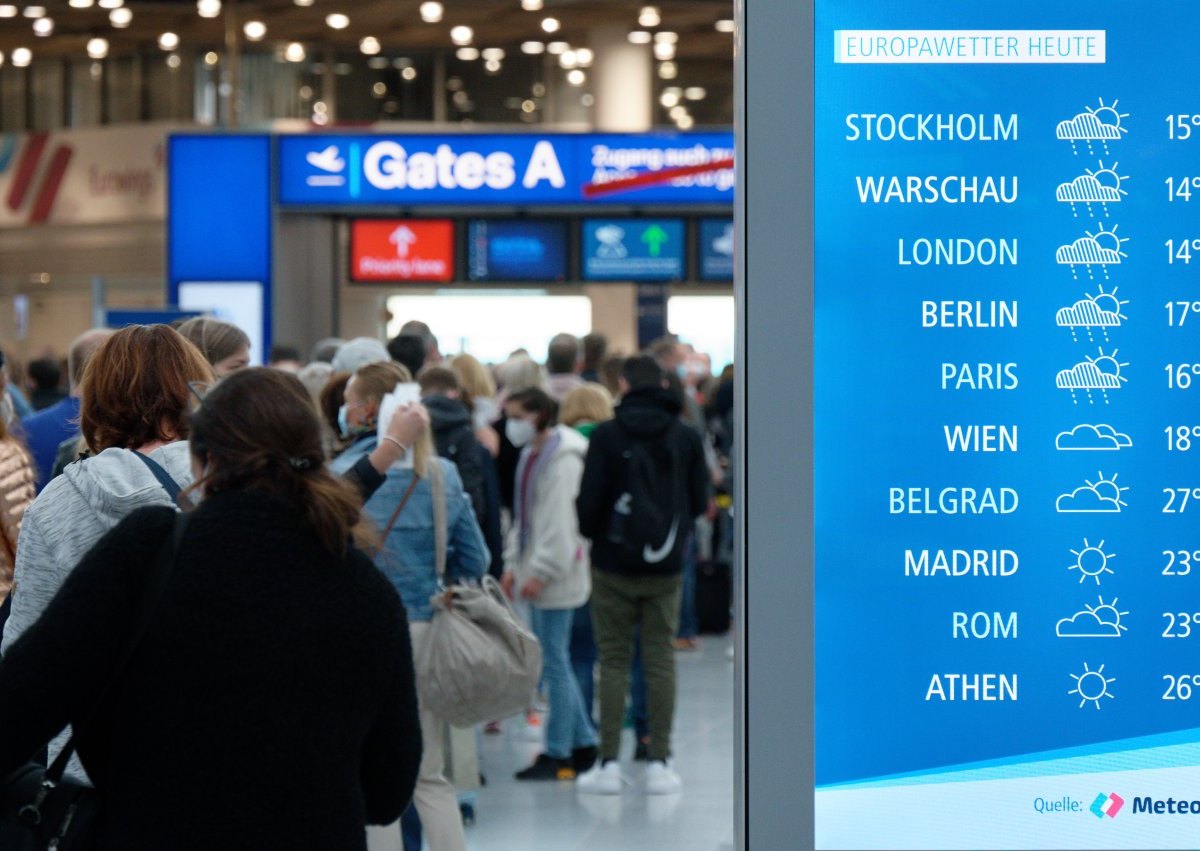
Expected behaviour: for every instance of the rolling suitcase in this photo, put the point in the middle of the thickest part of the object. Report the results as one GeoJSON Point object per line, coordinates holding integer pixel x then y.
{"type": "Point", "coordinates": [714, 596]}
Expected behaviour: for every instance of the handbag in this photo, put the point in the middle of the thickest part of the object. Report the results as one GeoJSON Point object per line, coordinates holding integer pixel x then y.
{"type": "Point", "coordinates": [478, 662]}
{"type": "Point", "coordinates": [40, 809]}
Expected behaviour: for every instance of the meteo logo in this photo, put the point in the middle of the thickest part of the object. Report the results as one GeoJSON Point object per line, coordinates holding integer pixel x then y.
{"type": "Point", "coordinates": [1170, 807]}
{"type": "Point", "coordinates": [388, 165]}
{"type": "Point", "coordinates": [1109, 805]}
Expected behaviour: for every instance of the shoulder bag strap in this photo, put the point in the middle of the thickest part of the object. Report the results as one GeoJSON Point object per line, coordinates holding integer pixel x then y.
{"type": "Point", "coordinates": [437, 484]}
{"type": "Point", "coordinates": [156, 583]}
{"type": "Point", "coordinates": [412, 486]}
{"type": "Point", "coordinates": [164, 478]}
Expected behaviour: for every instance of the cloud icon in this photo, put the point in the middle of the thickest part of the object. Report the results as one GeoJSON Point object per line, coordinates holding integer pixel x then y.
{"type": "Point", "coordinates": [1087, 189]}
{"type": "Point", "coordinates": [1086, 625]}
{"type": "Point", "coordinates": [1087, 376]}
{"type": "Point", "coordinates": [1086, 125]}
{"type": "Point", "coordinates": [1088, 314]}
{"type": "Point", "coordinates": [1086, 500]}
{"type": "Point", "coordinates": [1086, 250]}
{"type": "Point", "coordinates": [1092, 437]}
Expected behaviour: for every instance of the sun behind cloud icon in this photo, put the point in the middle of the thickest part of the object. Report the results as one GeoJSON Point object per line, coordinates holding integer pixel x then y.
{"type": "Point", "coordinates": [1104, 496]}
{"type": "Point", "coordinates": [1102, 248]}
{"type": "Point", "coordinates": [1102, 186]}
{"type": "Point", "coordinates": [1102, 124]}
{"type": "Point", "coordinates": [1100, 621]}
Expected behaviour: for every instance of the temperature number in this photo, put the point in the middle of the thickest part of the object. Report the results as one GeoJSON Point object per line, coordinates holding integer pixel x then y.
{"type": "Point", "coordinates": [1179, 562]}
{"type": "Point", "coordinates": [1179, 127]}
{"type": "Point", "coordinates": [1179, 624]}
{"type": "Point", "coordinates": [1181, 687]}
{"type": "Point", "coordinates": [1178, 499]}
{"type": "Point", "coordinates": [1180, 250]}
{"type": "Point", "coordinates": [1179, 438]}
{"type": "Point", "coordinates": [1177, 311]}
{"type": "Point", "coordinates": [1180, 375]}
{"type": "Point", "coordinates": [1180, 188]}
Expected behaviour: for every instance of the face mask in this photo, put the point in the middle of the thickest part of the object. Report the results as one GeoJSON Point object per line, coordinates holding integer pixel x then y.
{"type": "Point", "coordinates": [344, 427]}
{"type": "Point", "coordinates": [519, 432]}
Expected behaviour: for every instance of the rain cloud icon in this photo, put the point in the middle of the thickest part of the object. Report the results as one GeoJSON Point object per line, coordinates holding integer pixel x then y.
{"type": "Point", "coordinates": [1102, 373]}
{"type": "Point", "coordinates": [1101, 311]}
{"type": "Point", "coordinates": [1102, 124]}
{"type": "Point", "coordinates": [1102, 187]}
{"type": "Point", "coordinates": [1102, 249]}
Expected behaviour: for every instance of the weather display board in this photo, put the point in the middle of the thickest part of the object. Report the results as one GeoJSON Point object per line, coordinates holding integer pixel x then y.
{"type": "Point", "coordinates": [1007, 368]}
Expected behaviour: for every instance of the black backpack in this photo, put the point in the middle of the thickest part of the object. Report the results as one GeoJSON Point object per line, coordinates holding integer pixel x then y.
{"type": "Point", "coordinates": [649, 517]}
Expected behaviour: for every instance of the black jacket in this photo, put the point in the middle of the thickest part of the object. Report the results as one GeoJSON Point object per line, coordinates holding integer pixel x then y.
{"type": "Point", "coordinates": [271, 703]}
{"type": "Point", "coordinates": [454, 437]}
{"type": "Point", "coordinates": [645, 414]}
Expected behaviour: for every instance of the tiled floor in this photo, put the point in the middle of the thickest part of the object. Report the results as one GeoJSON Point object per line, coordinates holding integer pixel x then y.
{"type": "Point", "coordinates": [551, 816]}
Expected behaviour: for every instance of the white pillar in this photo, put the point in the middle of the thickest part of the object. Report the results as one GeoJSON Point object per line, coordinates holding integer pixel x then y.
{"type": "Point", "coordinates": [622, 82]}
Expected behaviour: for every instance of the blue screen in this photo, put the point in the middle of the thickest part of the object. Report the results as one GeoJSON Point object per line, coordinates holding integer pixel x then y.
{"type": "Point", "coordinates": [1007, 380]}
{"type": "Point", "coordinates": [633, 250]}
{"type": "Point", "coordinates": [716, 249]}
{"type": "Point", "coordinates": [504, 250]}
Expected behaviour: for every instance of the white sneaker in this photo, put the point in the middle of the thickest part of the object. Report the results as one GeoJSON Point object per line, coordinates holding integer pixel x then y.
{"type": "Point", "coordinates": [601, 779]}
{"type": "Point", "coordinates": [661, 779]}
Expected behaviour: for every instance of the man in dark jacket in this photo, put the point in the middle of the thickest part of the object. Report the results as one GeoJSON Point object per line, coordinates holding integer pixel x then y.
{"type": "Point", "coordinates": [453, 433]}
{"type": "Point", "coordinates": [644, 483]}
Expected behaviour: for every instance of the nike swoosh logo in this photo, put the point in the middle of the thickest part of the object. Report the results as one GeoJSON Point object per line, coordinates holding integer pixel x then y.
{"type": "Point", "coordinates": [653, 556]}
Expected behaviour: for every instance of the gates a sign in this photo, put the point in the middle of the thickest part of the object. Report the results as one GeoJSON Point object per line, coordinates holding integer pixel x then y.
{"type": "Point", "coordinates": [389, 250]}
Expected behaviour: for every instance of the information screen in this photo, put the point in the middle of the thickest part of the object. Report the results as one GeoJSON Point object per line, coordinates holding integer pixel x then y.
{"type": "Point", "coordinates": [402, 250]}
{"type": "Point", "coordinates": [716, 249]}
{"type": "Point", "coordinates": [633, 249]}
{"type": "Point", "coordinates": [1007, 394]}
{"type": "Point", "coordinates": [508, 250]}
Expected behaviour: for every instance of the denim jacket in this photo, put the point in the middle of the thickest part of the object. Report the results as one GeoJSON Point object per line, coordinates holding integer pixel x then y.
{"type": "Point", "coordinates": [407, 556]}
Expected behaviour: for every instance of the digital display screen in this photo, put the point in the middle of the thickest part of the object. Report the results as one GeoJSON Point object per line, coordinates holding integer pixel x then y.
{"type": "Point", "coordinates": [1007, 396]}
{"type": "Point", "coordinates": [402, 250]}
{"type": "Point", "coordinates": [716, 249]}
{"type": "Point", "coordinates": [633, 249]}
{"type": "Point", "coordinates": [516, 250]}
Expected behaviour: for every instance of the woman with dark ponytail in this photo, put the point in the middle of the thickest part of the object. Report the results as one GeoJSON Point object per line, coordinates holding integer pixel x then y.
{"type": "Point", "coordinates": [271, 702]}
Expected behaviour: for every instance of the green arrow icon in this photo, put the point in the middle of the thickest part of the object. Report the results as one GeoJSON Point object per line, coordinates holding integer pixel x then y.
{"type": "Point", "coordinates": [655, 237]}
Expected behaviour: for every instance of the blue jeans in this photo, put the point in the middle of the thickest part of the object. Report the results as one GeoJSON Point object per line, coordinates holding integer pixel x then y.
{"type": "Point", "coordinates": [689, 625]}
{"type": "Point", "coordinates": [410, 829]}
{"type": "Point", "coordinates": [583, 655]}
{"type": "Point", "coordinates": [569, 725]}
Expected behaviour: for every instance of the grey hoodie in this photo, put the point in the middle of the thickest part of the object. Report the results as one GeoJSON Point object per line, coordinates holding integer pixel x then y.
{"type": "Point", "coordinates": [69, 517]}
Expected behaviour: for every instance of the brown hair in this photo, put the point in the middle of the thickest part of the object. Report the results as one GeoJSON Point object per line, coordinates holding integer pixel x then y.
{"type": "Point", "coordinates": [534, 400]}
{"type": "Point", "coordinates": [373, 381]}
{"type": "Point", "coordinates": [333, 395]}
{"type": "Point", "coordinates": [135, 388]}
{"type": "Point", "coordinates": [473, 376]}
{"type": "Point", "coordinates": [587, 403]}
{"type": "Point", "coordinates": [438, 379]}
{"type": "Point", "coordinates": [257, 430]}
{"type": "Point", "coordinates": [215, 338]}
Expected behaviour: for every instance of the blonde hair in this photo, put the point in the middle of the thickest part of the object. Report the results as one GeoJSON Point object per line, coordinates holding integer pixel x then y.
{"type": "Point", "coordinates": [373, 381]}
{"type": "Point", "coordinates": [473, 376]}
{"type": "Point", "coordinates": [215, 338]}
{"type": "Point", "coordinates": [522, 372]}
{"type": "Point", "coordinates": [587, 403]}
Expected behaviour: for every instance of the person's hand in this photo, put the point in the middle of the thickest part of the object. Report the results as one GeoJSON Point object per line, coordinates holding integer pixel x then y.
{"type": "Point", "coordinates": [532, 589]}
{"type": "Point", "coordinates": [507, 580]}
{"type": "Point", "coordinates": [408, 423]}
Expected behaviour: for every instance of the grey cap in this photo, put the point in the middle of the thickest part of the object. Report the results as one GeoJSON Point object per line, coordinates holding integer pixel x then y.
{"type": "Point", "coordinates": [326, 349]}
{"type": "Point", "coordinates": [359, 352]}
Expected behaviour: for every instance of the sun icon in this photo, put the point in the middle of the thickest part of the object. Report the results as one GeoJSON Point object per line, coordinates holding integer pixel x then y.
{"type": "Point", "coordinates": [1092, 685]}
{"type": "Point", "coordinates": [1108, 489]}
{"type": "Point", "coordinates": [1108, 302]}
{"type": "Point", "coordinates": [1109, 116]}
{"type": "Point", "coordinates": [1107, 614]}
{"type": "Point", "coordinates": [1108, 364]}
{"type": "Point", "coordinates": [1091, 562]}
{"type": "Point", "coordinates": [1108, 177]}
{"type": "Point", "coordinates": [1109, 241]}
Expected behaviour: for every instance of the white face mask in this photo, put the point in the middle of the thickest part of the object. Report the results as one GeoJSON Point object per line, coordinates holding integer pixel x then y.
{"type": "Point", "coordinates": [519, 432]}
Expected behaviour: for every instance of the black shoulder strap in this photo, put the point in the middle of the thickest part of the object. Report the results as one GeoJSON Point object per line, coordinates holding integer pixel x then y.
{"type": "Point", "coordinates": [156, 583]}
{"type": "Point", "coordinates": [164, 478]}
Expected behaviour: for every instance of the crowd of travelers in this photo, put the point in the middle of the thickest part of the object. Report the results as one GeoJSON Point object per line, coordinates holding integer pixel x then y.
{"type": "Point", "coordinates": [216, 578]}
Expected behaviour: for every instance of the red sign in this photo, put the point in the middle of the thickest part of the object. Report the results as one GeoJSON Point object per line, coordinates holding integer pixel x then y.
{"type": "Point", "coordinates": [402, 250]}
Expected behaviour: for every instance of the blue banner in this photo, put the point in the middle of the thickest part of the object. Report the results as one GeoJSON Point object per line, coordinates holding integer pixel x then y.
{"type": "Point", "coordinates": [337, 170]}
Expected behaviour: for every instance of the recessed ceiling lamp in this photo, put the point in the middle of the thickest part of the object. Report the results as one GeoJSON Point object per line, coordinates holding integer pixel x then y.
{"type": "Point", "coordinates": [668, 71]}
{"type": "Point", "coordinates": [208, 8]}
{"type": "Point", "coordinates": [724, 25]}
{"type": "Point", "coordinates": [304, 3]}
{"type": "Point", "coordinates": [21, 57]}
{"type": "Point", "coordinates": [8, 11]}
{"type": "Point", "coordinates": [168, 41]}
{"type": "Point", "coordinates": [533, 48]}
{"type": "Point", "coordinates": [664, 51]}
{"type": "Point", "coordinates": [467, 54]}
{"type": "Point", "coordinates": [97, 48]}
{"type": "Point", "coordinates": [337, 21]}
{"type": "Point", "coordinates": [584, 56]}
{"type": "Point", "coordinates": [695, 93]}
{"type": "Point", "coordinates": [649, 17]}
{"type": "Point", "coordinates": [567, 59]}
{"type": "Point", "coordinates": [120, 18]}
{"type": "Point", "coordinates": [173, 61]}
{"type": "Point", "coordinates": [532, 5]}
{"type": "Point", "coordinates": [43, 27]}
{"type": "Point", "coordinates": [370, 46]}
{"type": "Point", "coordinates": [492, 66]}
{"type": "Point", "coordinates": [685, 122]}
{"type": "Point", "coordinates": [255, 30]}
{"type": "Point", "coordinates": [80, 4]}
{"type": "Point", "coordinates": [111, 4]}
{"type": "Point", "coordinates": [461, 35]}
{"type": "Point", "coordinates": [409, 73]}
{"type": "Point", "coordinates": [639, 37]}
{"type": "Point", "coordinates": [432, 11]}
{"type": "Point", "coordinates": [294, 52]}
{"type": "Point", "coordinates": [551, 25]}
{"type": "Point", "coordinates": [492, 54]}
{"type": "Point", "coordinates": [556, 48]}
{"type": "Point", "coordinates": [35, 11]}
{"type": "Point", "coordinates": [666, 37]}
{"type": "Point", "coordinates": [576, 77]}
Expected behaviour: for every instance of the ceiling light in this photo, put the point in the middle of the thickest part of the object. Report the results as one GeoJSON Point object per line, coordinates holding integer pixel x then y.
{"type": "Point", "coordinates": [35, 11]}
{"type": "Point", "coordinates": [461, 35]}
{"type": "Point", "coordinates": [467, 54]}
{"type": "Point", "coordinates": [551, 25]}
{"type": "Point", "coordinates": [664, 51]}
{"type": "Point", "coordinates": [337, 21]}
{"type": "Point", "coordinates": [576, 77]}
{"type": "Point", "coordinates": [168, 41]}
{"type": "Point", "coordinates": [401, 62]}
{"type": "Point", "coordinates": [666, 37]}
{"type": "Point", "coordinates": [43, 27]}
{"type": "Point", "coordinates": [303, 3]}
{"type": "Point", "coordinates": [695, 93]}
{"type": "Point", "coordinates": [120, 18]}
{"type": "Point", "coordinates": [8, 11]}
{"type": "Point", "coordinates": [409, 73]}
{"type": "Point", "coordinates": [255, 30]}
{"type": "Point", "coordinates": [80, 4]}
{"type": "Point", "coordinates": [556, 47]}
{"type": "Point", "coordinates": [567, 60]}
{"type": "Point", "coordinates": [685, 122]}
{"type": "Point", "coordinates": [649, 17]}
{"type": "Point", "coordinates": [97, 48]}
{"type": "Point", "coordinates": [496, 53]}
{"type": "Point", "coordinates": [639, 37]}
{"type": "Point", "coordinates": [668, 71]}
{"type": "Point", "coordinates": [211, 58]}
{"type": "Point", "coordinates": [677, 112]}
{"type": "Point", "coordinates": [208, 8]}
{"type": "Point", "coordinates": [492, 66]}
{"type": "Point", "coordinates": [584, 56]}
{"type": "Point", "coordinates": [21, 57]}
{"type": "Point", "coordinates": [724, 26]}
{"type": "Point", "coordinates": [431, 12]}
{"type": "Point", "coordinates": [370, 45]}
{"type": "Point", "coordinates": [378, 63]}
{"type": "Point", "coordinates": [111, 4]}
{"type": "Point", "coordinates": [532, 5]}
{"type": "Point", "coordinates": [379, 89]}
{"type": "Point", "coordinates": [1, 58]}
{"type": "Point", "coordinates": [294, 52]}
{"type": "Point", "coordinates": [533, 48]}
{"type": "Point", "coordinates": [173, 61]}
{"type": "Point", "coordinates": [669, 99]}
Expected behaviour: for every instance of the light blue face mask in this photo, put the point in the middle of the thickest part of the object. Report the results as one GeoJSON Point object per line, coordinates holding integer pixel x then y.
{"type": "Point", "coordinates": [344, 421]}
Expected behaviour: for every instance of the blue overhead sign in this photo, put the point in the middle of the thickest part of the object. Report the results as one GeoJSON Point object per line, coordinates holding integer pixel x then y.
{"type": "Point", "coordinates": [716, 250]}
{"type": "Point", "coordinates": [333, 170]}
{"type": "Point", "coordinates": [516, 250]}
{"type": "Point", "coordinates": [633, 250]}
